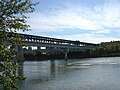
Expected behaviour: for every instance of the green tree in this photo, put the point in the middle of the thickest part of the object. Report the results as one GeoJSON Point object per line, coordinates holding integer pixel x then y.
{"type": "Point", "coordinates": [107, 49]}
{"type": "Point", "coordinates": [12, 19]}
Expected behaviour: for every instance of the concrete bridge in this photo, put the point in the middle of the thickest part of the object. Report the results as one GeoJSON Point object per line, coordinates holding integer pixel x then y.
{"type": "Point", "coordinates": [52, 43]}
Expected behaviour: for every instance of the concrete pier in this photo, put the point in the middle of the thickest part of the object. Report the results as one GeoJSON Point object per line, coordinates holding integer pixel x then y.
{"type": "Point", "coordinates": [20, 54]}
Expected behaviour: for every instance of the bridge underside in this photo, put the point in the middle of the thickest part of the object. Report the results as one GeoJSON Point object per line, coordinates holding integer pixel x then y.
{"type": "Point", "coordinates": [75, 47]}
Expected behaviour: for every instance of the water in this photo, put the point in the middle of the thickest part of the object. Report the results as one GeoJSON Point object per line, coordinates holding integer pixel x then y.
{"type": "Point", "coordinates": [83, 74]}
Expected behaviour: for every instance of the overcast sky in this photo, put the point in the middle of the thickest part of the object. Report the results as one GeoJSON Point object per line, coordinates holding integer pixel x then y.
{"type": "Point", "coordinates": [84, 20]}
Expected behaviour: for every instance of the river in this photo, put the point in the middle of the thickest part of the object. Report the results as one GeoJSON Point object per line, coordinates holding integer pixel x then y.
{"type": "Point", "coordinates": [77, 74]}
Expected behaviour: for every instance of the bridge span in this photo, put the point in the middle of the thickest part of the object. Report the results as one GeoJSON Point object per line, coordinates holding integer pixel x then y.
{"type": "Point", "coordinates": [47, 41]}
{"type": "Point", "coordinates": [54, 43]}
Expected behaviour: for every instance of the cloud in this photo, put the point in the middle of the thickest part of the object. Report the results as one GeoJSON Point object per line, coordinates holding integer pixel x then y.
{"type": "Point", "coordinates": [108, 14]}
{"type": "Point", "coordinates": [98, 19]}
{"type": "Point", "coordinates": [62, 19]}
{"type": "Point", "coordinates": [92, 38]}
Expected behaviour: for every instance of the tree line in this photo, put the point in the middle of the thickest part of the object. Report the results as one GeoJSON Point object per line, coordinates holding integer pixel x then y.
{"type": "Point", "coordinates": [107, 49]}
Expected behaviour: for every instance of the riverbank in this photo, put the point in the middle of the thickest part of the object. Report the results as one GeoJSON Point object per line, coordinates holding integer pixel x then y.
{"type": "Point", "coordinates": [75, 55]}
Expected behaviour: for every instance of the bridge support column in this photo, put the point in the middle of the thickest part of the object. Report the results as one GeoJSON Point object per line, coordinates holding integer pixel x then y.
{"type": "Point", "coordinates": [66, 57]}
{"type": "Point", "coordinates": [29, 48]}
{"type": "Point", "coordinates": [20, 55]}
{"type": "Point", "coordinates": [66, 54]}
{"type": "Point", "coordinates": [38, 48]}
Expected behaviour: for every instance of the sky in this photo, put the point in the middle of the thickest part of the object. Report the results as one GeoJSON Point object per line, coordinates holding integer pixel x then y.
{"type": "Point", "coordinates": [91, 21]}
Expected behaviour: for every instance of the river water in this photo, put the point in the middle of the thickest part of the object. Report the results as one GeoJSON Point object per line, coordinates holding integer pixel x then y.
{"type": "Point", "coordinates": [77, 74]}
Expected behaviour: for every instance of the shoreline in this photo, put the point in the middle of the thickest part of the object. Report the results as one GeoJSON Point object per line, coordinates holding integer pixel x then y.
{"type": "Point", "coordinates": [35, 58]}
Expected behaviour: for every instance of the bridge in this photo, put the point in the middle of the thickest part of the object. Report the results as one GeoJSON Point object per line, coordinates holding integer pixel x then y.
{"type": "Point", "coordinates": [52, 43]}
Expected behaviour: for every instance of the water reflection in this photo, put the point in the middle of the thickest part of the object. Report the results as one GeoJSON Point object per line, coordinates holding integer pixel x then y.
{"type": "Point", "coordinates": [52, 68]}
{"type": "Point", "coordinates": [57, 68]}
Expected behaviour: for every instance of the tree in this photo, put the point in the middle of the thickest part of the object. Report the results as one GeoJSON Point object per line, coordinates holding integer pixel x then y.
{"type": "Point", "coordinates": [12, 19]}
{"type": "Point", "coordinates": [107, 49]}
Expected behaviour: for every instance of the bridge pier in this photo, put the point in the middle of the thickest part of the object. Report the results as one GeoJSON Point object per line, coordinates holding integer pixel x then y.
{"type": "Point", "coordinates": [66, 54]}
{"type": "Point", "coordinates": [20, 54]}
{"type": "Point", "coordinates": [29, 48]}
{"type": "Point", "coordinates": [38, 48]}
{"type": "Point", "coordinates": [66, 57]}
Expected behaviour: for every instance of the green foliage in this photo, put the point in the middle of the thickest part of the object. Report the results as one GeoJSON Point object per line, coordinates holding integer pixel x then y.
{"type": "Point", "coordinates": [12, 18]}
{"type": "Point", "coordinates": [107, 49]}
